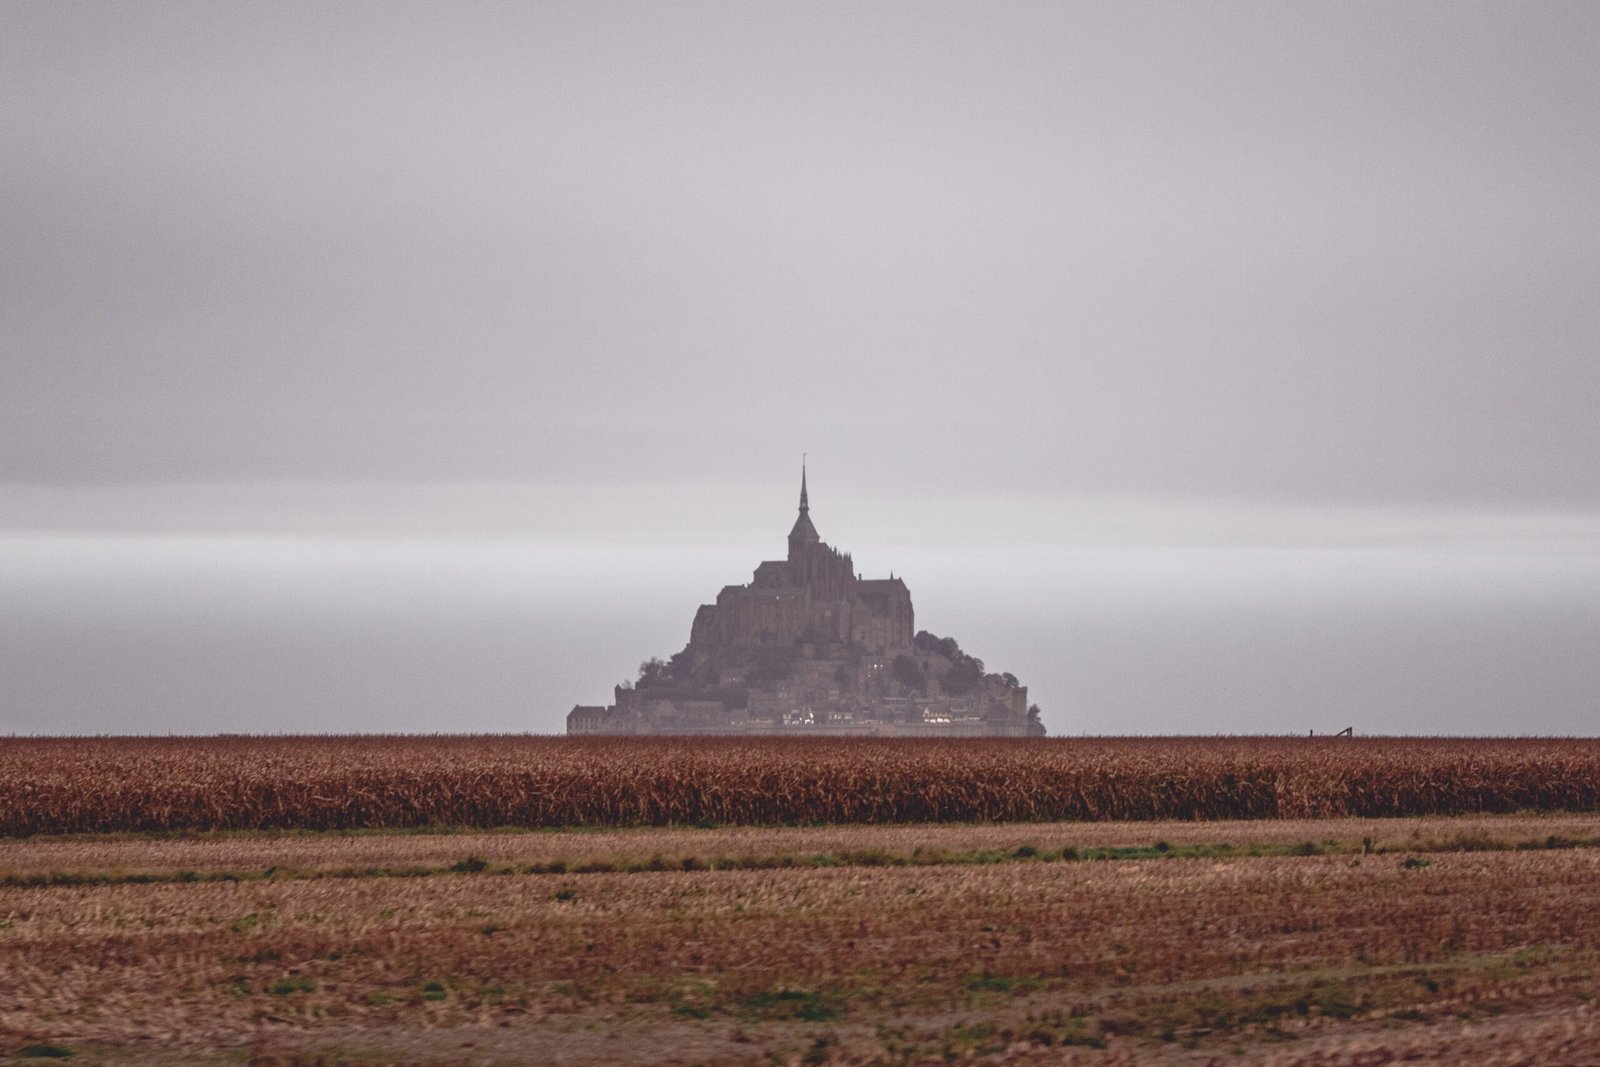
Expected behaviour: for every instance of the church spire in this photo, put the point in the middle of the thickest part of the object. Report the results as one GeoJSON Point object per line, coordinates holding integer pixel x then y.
{"type": "Point", "coordinates": [804, 535]}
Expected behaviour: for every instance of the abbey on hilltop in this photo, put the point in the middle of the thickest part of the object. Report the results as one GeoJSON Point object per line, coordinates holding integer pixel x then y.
{"type": "Point", "coordinates": [809, 647]}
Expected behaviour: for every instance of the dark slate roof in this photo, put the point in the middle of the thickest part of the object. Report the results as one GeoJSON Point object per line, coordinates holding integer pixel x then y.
{"type": "Point", "coordinates": [804, 529]}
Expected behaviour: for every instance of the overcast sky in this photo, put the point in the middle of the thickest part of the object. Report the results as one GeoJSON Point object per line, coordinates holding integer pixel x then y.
{"type": "Point", "coordinates": [1212, 367]}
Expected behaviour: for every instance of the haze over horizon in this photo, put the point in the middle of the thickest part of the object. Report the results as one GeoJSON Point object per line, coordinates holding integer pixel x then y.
{"type": "Point", "coordinates": [1224, 367]}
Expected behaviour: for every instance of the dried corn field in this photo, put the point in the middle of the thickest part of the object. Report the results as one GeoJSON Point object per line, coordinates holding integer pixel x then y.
{"type": "Point", "coordinates": [57, 786]}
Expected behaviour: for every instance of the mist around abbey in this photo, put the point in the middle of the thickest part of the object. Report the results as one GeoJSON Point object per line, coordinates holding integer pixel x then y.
{"type": "Point", "coordinates": [809, 647]}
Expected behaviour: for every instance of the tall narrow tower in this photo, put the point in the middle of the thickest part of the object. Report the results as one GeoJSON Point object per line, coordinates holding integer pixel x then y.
{"type": "Point", "coordinates": [804, 535]}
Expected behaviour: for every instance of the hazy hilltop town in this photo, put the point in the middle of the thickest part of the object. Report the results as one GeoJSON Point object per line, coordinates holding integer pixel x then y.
{"type": "Point", "coordinates": [810, 647]}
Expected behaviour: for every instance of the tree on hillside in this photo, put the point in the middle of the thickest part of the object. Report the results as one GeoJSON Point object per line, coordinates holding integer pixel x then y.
{"type": "Point", "coordinates": [681, 666]}
{"type": "Point", "coordinates": [964, 677]}
{"type": "Point", "coordinates": [942, 646]}
{"type": "Point", "coordinates": [654, 672]}
{"type": "Point", "coordinates": [1035, 727]}
{"type": "Point", "coordinates": [908, 672]}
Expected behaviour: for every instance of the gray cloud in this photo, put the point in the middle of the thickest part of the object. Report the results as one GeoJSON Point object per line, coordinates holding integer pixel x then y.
{"type": "Point", "coordinates": [1326, 253]}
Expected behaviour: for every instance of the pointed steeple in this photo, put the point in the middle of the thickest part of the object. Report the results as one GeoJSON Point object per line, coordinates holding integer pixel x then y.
{"type": "Point", "coordinates": [803, 535]}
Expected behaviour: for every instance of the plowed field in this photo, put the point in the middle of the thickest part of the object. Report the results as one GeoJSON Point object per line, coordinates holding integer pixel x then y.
{"type": "Point", "coordinates": [1338, 941]}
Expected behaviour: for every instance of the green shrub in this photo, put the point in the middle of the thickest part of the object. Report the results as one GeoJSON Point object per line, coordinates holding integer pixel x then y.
{"type": "Point", "coordinates": [292, 985]}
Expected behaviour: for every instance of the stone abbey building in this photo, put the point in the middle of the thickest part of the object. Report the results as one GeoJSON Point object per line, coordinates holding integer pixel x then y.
{"type": "Point", "coordinates": [809, 647]}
